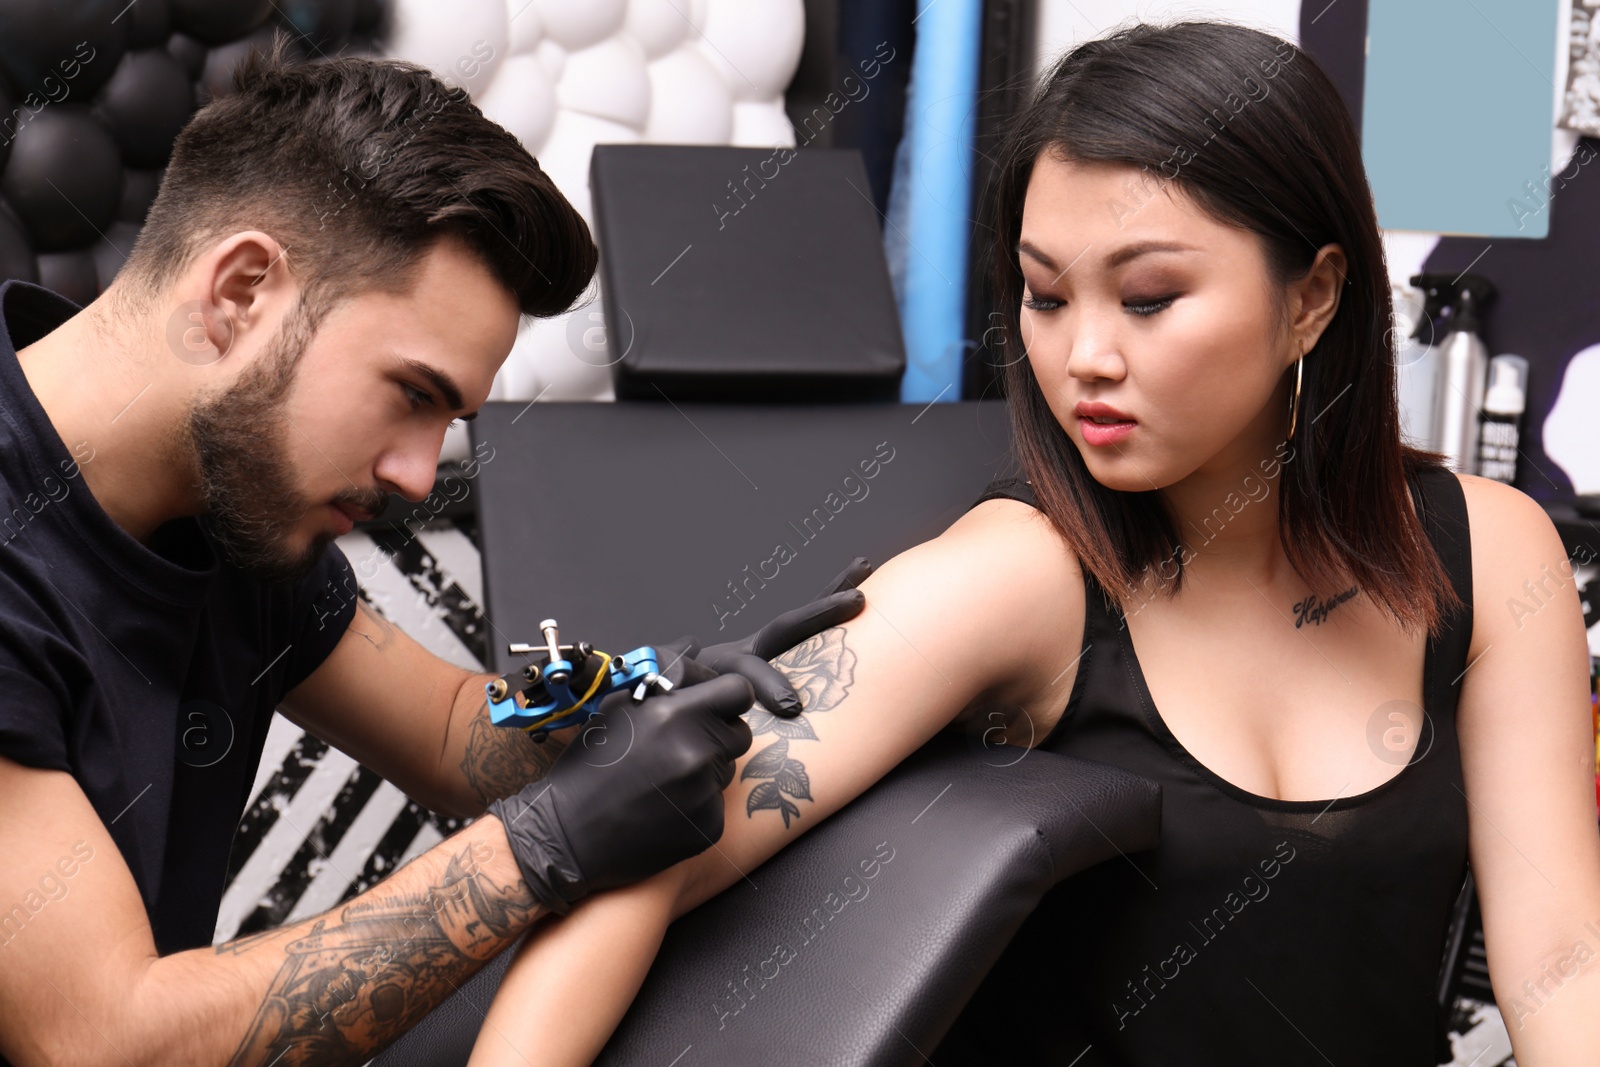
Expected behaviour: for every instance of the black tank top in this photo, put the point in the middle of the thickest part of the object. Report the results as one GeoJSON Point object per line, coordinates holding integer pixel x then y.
{"type": "Point", "coordinates": [1258, 931]}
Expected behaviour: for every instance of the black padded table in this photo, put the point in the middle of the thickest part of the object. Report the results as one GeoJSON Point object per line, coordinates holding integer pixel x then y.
{"type": "Point", "coordinates": [634, 522]}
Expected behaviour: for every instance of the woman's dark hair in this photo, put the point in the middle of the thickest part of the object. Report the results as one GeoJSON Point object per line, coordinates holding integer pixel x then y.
{"type": "Point", "coordinates": [358, 166]}
{"type": "Point", "coordinates": [1250, 129]}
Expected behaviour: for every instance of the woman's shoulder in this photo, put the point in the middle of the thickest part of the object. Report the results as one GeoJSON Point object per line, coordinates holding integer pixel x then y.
{"type": "Point", "coordinates": [1503, 520]}
{"type": "Point", "coordinates": [1518, 557]}
{"type": "Point", "coordinates": [1002, 575]}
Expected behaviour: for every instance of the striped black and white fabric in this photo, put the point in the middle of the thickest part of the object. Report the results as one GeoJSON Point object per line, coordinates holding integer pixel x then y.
{"type": "Point", "coordinates": [319, 828]}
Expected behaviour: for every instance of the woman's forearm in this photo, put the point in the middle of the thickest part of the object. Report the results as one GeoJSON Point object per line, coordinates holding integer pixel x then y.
{"type": "Point", "coordinates": [573, 978]}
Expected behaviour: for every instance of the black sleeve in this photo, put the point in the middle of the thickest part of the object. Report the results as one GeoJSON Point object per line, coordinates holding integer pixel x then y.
{"type": "Point", "coordinates": [319, 612]}
{"type": "Point", "coordinates": [36, 695]}
{"type": "Point", "coordinates": [31, 731]}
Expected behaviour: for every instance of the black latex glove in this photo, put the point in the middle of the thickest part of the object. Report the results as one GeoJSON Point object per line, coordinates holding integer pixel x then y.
{"type": "Point", "coordinates": [838, 602]}
{"type": "Point", "coordinates": [639, 790]}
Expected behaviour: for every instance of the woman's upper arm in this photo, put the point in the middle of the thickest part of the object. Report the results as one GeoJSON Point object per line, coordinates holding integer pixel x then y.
{"type": "Point", "coordinates": [980, 612]}
{"type": "Point", "coordinates": [1527, 743]}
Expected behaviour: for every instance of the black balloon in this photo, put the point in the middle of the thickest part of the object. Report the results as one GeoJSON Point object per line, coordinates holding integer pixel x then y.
{"type": "Point", "coordinates": [16, 255]}
{"type": "Point", "coordinates": [72, 274]}
{"type": "Point", "coordinates": [219, 21]}
{"type": "Point", "coordinates": [146, 103]}
{"type": "Point", "coordinates": [139, 188]}
{"type": "Point", "coordinates": [56, 51]}
{"type": "Point", "coordinates": [8, 123]}
{"type": "Point", "coordinates": [152, 22]}
{"type": "Point", "coordinates": [217, 79]}
{"type": "Point", "coordinates": [64, 178]}
{"type": "Point", "coordinates": [369, 16]}
{"type": "Point", "coordinates": [111, 252]}
{"type": "Point", "coordinates": [190, 53]}
{"type": "Point", "coordinates": [324, 24]}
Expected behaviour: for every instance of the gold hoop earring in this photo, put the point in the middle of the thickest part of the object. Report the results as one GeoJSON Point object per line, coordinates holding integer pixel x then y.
{"type": "Point", "coordinates": [1294, 402]}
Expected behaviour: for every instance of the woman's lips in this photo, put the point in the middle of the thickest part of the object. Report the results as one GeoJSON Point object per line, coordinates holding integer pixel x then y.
{"type": "Point", "coordinates": [1105, 433]}
{"type": "Point", "coordinates": [1102, 424]}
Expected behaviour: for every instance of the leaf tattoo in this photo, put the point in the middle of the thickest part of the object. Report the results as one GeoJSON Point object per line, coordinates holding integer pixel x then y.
{"type": "Point", "coordinates": [821, 670]}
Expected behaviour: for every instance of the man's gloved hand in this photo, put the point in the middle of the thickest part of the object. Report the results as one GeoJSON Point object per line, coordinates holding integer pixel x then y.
{"type": "Point", "coordinates": [840, 600]}
{"type": "Point", "coordinates": [638, 791]}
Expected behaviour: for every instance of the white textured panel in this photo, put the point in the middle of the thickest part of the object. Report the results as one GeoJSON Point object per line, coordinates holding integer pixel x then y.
{"type": "Point", "coordinates": [463, 43]}
{"type": "Point", "coordinates": [755, 44]}
{"type": "Point", "coordinates": [761, 124]}
{"type": "Point", "coordinates": [547, 367]}
{"type": "Point", "coordinates": [523, 100]}
{"type": "Point", "coordinates": [580, 23]}
{"type": "Point", "coordinates": [567, 151]}
{"type": "Point", "coordinates": [607, 80]}
{"type": "Point", "coordinates": [553, 57]}
{"type": "Point", "coordinates": [689, 101]}
{"type": "Point", "coordinates": [525, 26]}
{"type": "Point", "coordinates": [658, 25]}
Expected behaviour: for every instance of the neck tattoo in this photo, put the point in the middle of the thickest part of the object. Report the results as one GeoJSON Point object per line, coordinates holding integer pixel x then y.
{"type": "Point", "coordinates": [1313, 610]}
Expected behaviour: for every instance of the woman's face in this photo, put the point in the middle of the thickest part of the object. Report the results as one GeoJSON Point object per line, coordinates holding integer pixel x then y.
{"type": "Point", "coordinates": [1153, 329]}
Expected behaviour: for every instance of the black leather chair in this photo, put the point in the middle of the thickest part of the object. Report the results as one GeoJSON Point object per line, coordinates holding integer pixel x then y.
{"type": "Point", "coordinates": [860, 943]}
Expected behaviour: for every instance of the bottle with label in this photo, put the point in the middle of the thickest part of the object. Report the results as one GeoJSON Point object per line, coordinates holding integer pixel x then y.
{"type": "Point", "coordinates": [1499, 432]}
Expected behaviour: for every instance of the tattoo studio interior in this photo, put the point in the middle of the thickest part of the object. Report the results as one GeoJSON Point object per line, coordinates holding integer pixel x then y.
{"type": "Point", "coordinates": [726, 532]}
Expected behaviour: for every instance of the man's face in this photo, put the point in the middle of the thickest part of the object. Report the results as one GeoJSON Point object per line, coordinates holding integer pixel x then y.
{"type": "Point", "coordinates": [323, 426]}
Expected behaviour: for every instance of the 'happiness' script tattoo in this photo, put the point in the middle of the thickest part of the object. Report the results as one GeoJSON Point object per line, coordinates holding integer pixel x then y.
{"type": "Point", "coordinates": [1314, 611]}
{"type": "Point", "coordinates": [821, 669]}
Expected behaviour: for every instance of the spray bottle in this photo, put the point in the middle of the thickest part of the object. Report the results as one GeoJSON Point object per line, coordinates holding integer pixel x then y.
{"type": "Point", "coordinates": [1503, 404]}
{"type": "Point", "coordinates": [1463, 365]}
{"type": "Point", "coordinates": [1416, 362]}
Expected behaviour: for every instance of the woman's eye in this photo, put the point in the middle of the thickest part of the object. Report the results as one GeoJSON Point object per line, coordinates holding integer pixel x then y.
{"type": "Point", "coordinates": [1036, 303]}
{"type": "Point", "coordinates": [415, 397]}
{"type": "Point", "coordinates": [1150, 307]}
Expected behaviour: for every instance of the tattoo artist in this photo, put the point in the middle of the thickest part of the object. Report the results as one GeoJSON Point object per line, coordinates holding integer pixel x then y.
{"type": "Point", "coordinates": [333, 271]}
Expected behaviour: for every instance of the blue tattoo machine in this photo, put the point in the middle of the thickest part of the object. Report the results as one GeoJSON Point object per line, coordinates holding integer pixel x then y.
{"type": "Point", "coordinates": [568, 687]}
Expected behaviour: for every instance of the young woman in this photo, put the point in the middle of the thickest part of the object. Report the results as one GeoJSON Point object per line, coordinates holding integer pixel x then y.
{"type": "Point", "coordinates": [1350, 669]}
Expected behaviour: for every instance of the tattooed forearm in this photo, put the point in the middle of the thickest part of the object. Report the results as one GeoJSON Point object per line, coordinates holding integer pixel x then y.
{"type": "Point", "coordinates": [497, 761]}
{"type": "Point", "coordinates": [1315, 611]}
{"type": "Point", "coordinates": [357, 981]}
{"type": "Point", "coordinates": [821, 670]}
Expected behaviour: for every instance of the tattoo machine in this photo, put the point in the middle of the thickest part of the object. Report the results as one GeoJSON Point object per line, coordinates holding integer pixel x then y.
{"type": "Point", "coordinates": [567, 688]}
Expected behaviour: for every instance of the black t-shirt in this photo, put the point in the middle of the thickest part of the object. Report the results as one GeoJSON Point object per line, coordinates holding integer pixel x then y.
{"type": "Point", "coordinates": [147, 672]}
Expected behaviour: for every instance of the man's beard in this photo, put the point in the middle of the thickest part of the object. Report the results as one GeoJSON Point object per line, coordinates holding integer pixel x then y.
{"type": "Point", "coordinates": [239, 443]}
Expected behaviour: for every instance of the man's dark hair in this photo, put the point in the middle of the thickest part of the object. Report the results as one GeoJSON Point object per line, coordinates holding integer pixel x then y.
{"type": "Point", "coordinates": [1252, 130]}
{"type": "Point", "coordinates": [357, 167]}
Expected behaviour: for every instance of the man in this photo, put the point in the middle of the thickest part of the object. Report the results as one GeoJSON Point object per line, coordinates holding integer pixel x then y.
{"type": "Point", "coordinates": [333, 271]}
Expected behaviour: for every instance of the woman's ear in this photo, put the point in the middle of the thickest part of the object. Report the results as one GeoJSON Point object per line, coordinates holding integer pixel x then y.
{"type": "Point", "coordinates": [1315, 297]}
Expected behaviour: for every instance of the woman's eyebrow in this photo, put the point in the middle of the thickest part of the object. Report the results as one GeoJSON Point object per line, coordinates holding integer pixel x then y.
{"type": "Point", "coordinates": [1116, 259]}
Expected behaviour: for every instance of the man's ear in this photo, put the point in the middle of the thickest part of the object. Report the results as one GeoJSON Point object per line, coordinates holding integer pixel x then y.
{"type": "Point", "coordinates": [237, 288]}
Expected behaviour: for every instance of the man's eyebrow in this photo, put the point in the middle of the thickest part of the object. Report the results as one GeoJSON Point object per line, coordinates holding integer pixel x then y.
{"type": "Point", "coordinates": [440, 381]}
{"type": "Point", "coordinates": [1115, 259]}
